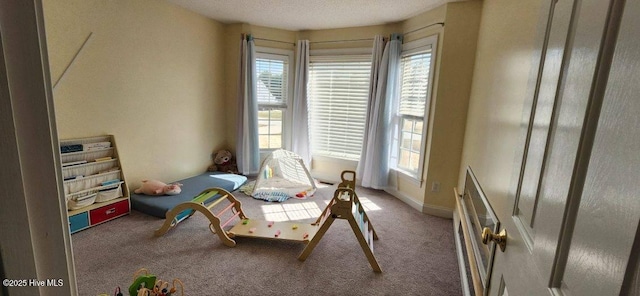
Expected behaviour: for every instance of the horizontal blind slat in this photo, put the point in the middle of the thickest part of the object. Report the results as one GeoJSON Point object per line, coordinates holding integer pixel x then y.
{"type": "Point", "coordinates": [272, 82]}
{"type": "Point", "coordinates": [338, 96]}
{"type": "Point", "coordinates": [415, 79]}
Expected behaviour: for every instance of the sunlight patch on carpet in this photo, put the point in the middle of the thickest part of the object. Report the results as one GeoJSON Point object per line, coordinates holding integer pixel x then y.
{"type": "Point", "coordinates": [291, 212]}
{"type": "Point", "coordinates": [367, 204]}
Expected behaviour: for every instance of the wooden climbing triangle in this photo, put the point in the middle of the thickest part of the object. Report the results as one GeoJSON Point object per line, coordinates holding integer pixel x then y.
{"type": "Point", "coordinates": [346, 205]}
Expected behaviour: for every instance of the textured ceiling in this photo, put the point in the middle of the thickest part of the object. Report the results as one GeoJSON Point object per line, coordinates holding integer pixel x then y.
{"type": "Point", "coordinates": [298, 15]}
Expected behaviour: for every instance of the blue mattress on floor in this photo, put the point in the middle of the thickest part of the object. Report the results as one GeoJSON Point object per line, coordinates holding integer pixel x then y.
{"type": "Point", "coordinates": [191, 187]}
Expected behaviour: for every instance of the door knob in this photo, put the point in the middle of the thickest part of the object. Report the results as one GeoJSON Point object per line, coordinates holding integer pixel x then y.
{"type": "Point", "coordinates": [500, 238]}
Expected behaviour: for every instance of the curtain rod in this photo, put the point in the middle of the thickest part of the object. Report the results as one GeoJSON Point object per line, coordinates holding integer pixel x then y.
{"type": "Point", "coordinates": [337, 41]}
{"type": "Point", "coordinates": [264, 39]}
{"type": "Point", "coordinates": [427, 26]}
{"type": "Point", "coordinates": [347, 40]}
{"type": "Point", "coordinates": [371, 39]}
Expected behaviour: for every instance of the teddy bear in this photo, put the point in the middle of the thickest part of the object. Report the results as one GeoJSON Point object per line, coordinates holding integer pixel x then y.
{"type": "Point", "coordinates": [155, 187]}
{"type": "Point", "coordinates": [223, 161]}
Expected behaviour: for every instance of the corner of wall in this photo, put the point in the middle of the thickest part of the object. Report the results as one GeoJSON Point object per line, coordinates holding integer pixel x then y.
{"type": "Point", "coordinates": [138, 78]}
{"type": "Point", "coordinates": [451, 101]}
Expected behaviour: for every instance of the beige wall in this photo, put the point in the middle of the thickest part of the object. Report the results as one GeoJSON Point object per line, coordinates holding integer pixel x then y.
{"type": "Point", "coordinates": [152, 74]}
{"type": "Point", "coordinates": [449, 109]}
{"type": "Point", "coordinates": [231, 49]}
{"type": "Point", "coordinates": [325, 39]}
{"type": "Point", "coordinates": [455, 57]}
{"type": "Point", "coordinates": [415, 26]}
{"type": "Point", "coordinates": [505, 53]}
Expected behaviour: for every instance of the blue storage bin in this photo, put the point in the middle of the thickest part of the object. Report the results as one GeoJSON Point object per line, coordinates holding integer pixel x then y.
{"type": "Point", "coordinates": [78, 222]}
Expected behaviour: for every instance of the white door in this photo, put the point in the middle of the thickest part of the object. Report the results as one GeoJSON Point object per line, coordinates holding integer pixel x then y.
{"type": "Point", "coordinates": [575, 206]}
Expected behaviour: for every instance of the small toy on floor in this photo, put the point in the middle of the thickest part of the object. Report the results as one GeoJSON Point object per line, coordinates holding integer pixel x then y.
{"type": "Point", "coordinates": [155, 187]}
{"type": "Point", "coordinates": [145, 284]}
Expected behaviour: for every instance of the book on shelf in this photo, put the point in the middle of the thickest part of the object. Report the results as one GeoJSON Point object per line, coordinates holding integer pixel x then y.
{"type": "Point", "coordinates": [113, 169]}
{"type": "Point", "coordinates": [66, 164]}
{"type": "Point", "coordinates": [96, 146]}
{"type": "Point", "coordinates": [71, 148]}
{"type": "Point", "coordinates": [110, 182]}
{"type": "Point", "coordinates": [73, 177]}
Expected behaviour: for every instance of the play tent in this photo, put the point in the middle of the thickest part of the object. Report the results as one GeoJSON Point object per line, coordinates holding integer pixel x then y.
{"type": "Point", "coordinates": [283, 175]}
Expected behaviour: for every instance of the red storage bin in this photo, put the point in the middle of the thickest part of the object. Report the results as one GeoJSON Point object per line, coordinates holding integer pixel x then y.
{"type": "Point", "coordinates": [109, 212]}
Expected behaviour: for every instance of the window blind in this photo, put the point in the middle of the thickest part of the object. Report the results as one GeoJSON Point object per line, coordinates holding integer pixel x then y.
{"type": "Point", "coordinates": [338, 90]}
{"type": "Point", "coordinates": [415, 79]}
{"type": "Point", "coordinates": [272, 73]}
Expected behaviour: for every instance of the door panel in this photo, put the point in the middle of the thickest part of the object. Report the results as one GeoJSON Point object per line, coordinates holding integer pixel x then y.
{"type": "Point", "coordinates": [524, 236]}
{"type": "Point", "coordinates": [573, 99]}
{"type": "Point", "coordinates": [609, 209]}
{"type": "Point", "coordinates": [566, 230]}
{"type": "Point", "coordinates": [542, 113]}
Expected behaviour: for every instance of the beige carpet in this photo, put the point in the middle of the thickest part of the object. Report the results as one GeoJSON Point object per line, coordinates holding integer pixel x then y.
{"type": "Point", "coordinates": [416, 253]}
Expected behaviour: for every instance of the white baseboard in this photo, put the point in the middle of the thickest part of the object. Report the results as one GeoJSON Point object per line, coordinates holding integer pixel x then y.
{"type": "Point", "coordinates": [326, 178]}
{"type": "Point", "coordinates": [427, 209]}
{"type": "Point", "coordinates": [438, 211]}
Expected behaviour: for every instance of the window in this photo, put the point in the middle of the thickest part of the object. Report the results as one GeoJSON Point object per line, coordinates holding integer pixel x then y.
{"type": "Point", "coordinates": [338, 90]}
{"type": "Point", "coordinates": [273, 89]}
{"type": "Point", "coordinates": [415, 86]}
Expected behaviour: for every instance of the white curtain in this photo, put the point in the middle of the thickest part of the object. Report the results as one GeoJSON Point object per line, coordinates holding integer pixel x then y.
{"type": "Point", "coordinates": [300, 130]}
{"type": "Point", "coordinates": [247, 145]}
{"type": "Point", "coordinates": [393, 96]}
{"type": "Point", "coordinates": [373, 167]}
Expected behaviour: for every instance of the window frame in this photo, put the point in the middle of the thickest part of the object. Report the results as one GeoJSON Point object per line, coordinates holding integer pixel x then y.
{"type": "Point", "coordinates": [429, 43]}
{"type": "Point", "coordinates": [341, 53]}
{"type": "Point", "coordinates": [288, 56]}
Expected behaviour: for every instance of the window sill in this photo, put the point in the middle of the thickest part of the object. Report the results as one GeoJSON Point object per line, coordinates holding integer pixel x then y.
{"type": "Point", "coordinates": [326, 158]}
{"type": "Point", "coordinates": [265, 152]}
{"type": "Point", "coordinates": [408, 176]}
{"type": "Point", "coordinates": [269, 150]}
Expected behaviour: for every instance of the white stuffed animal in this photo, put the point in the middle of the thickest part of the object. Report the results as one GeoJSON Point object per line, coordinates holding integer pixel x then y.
{"type": "Point", "coordinates": [155, 187]}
